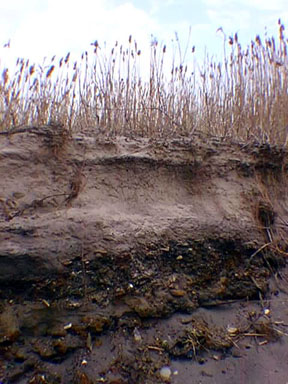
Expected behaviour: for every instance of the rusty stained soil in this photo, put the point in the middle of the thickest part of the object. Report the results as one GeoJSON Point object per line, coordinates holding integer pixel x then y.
{"type": "Point", "coordinates": [121, 257]}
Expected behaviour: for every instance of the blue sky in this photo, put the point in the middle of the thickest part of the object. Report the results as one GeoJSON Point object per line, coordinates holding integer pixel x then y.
{"type": "Point", "coordinates": [38, 28]}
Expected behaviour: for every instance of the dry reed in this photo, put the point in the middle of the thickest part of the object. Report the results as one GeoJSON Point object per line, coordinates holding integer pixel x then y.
{"type": "Point", "coordinates": [244, 96]}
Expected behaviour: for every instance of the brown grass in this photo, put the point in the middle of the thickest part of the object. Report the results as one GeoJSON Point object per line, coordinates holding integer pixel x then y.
{"type": "Point", "coordinates": [244, 97]}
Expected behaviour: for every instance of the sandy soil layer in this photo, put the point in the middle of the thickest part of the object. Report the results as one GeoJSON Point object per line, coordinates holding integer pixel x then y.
{"type": "Point", "coordinates": [121, 257]}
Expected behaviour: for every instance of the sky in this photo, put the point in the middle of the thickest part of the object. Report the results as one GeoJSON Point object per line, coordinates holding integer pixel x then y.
{"type": "Point", "coordinates": [43, 28]}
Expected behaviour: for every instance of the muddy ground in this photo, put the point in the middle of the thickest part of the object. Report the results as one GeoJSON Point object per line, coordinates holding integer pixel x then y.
{"type": "Point", "coordinates": [137, 261]}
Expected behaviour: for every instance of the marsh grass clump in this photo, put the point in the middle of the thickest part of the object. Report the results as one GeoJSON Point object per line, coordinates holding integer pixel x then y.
{"type": "Point", "coordinates": [243, 97]}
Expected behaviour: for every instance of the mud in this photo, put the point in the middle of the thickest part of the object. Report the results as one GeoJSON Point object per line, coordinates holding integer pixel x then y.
{"type": "Point", "coordinates": [121, 257]}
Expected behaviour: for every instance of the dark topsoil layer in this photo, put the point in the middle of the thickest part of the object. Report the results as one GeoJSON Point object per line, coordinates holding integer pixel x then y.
{"type": "Point", "coordinates": [121, 257]}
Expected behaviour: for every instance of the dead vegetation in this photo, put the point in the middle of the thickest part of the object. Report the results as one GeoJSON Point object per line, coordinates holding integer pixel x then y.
{"type": "Point", "coordinates": [270, 186]}
{"type": "Point", "coordinates": [243, 97]}
{"type": "Point", "coordinates": [199, 337]}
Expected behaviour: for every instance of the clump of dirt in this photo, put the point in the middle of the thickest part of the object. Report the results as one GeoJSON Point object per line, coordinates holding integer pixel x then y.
{"type": "Point", "coordinates": [110, 250]}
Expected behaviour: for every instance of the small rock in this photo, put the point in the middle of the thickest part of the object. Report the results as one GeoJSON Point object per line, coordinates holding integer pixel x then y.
{"type": "Point", "coordinates": [177, 292]}
{"type": "Point", "coordinates": [97, 323]}
{"type": "Point", "coordinates": [57, 331]}
{"type": "Point", "coordinates": [165, 373]}
{"type": "Point", "coordinates": [267, 311]}
{"type": "Point", "coordinates": [18, 195]}
{"type": "Point", "coordinates": [137, 335]}
{"type": "Point", "coordinates": [9, 326]}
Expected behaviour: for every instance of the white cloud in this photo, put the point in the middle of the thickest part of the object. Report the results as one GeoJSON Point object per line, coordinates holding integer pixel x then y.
{"type": "Point", "coordinates": [275, 5]}
{"type": "Point", "coordinates": [248, 17]}
{"type": "Point", "coordinates": [217, 3]}
{"type": "Point", "coordinates": [266, 5]}
{"type": "Point", "coordinates": [65, 25]}
{"type": "Point", "coordinates": [47, 27]}
{"type": "Point", "coordinates": [229, 19]}
{"type": "Point", "coordinates": [61, 26]}
{"type": "Point", "coordinates": [156, 5]}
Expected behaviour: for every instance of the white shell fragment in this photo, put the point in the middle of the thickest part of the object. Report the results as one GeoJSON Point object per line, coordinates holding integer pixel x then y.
{"type": "Point", "coordinates": [68, 326]}
{"type": "Point", "coordinates": [232, 330]}
{"type": "Point", "coordinates": [165, 373]}
{"type": "Point", "coordinates": [46, 303]}
{"type": "Point", "coordinates": [137, 335]}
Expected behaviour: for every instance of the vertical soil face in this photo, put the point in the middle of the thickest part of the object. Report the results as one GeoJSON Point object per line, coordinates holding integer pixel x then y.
{"type": "Point", "coordinates": [130, 261]}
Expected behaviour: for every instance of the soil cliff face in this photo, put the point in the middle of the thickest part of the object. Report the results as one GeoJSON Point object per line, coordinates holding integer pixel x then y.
{"type": "Point", "coordinates": [124, 231]}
